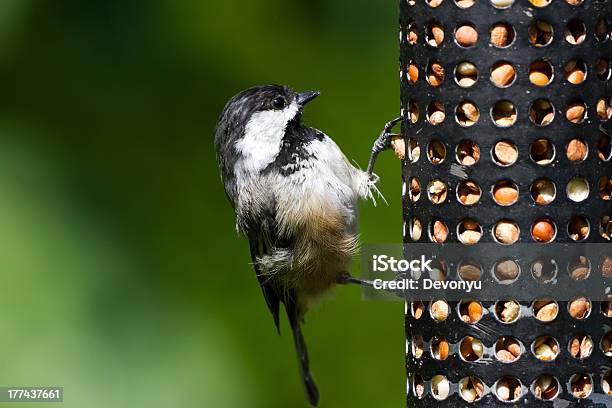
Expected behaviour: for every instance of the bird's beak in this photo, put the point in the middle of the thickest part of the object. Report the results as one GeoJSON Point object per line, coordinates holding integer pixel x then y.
{"type": "Point", "coordinates": [305, 97]}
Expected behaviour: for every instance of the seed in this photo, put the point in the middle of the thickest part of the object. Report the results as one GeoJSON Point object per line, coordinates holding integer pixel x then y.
{"type": "Point", "coordinates": [471, 349]}
{"type": "Point", "coordinates": [413, 35]}
{"type": "Point", "coordinates": [540, 73]}
{"type": "Point", "coordinates": [578, 189]}
{"type": "Point", "coordinates": [414, 192]}
{"type": "Point", "coordinates": [435, 74]}
{"type": "Point", "coordinates": [606, 308]}
{"type": "Point", "coordinates": [542, 152]}
{"type": "Point", "coordinates": [503, 74]}
{"type": "Point", "coordinates": [604, 110]}
{"type": "Point", "coordinates": [545, 348]}
{"type": "Point", "coordinates": [540, 33]}
{"type": "Point", "coordinates": [604, 147]}
{"type": "Point", "coordinates": [541, 112]}
{"type": "Point", "coordinates": [507, 349]}
{"type": "Point", "coordinates": [606, 383]}
{"type": "Point", "coordinates": [440, 231]}
{"type": "Point", "coordinates": [467, 113]}
{"type": "Point", "coordinates": [508, 389]}
{"type": "Point", "coordinates": [436, 152]}
{"type": "Point", "coordinates": [506, 232]}
{"type": "Point", "coordinates": [502, 34]}
{"type": "Point", "coordinates": [470, 311]}
{"type": "Point", "coordinates": [416, 229]}
{"type": "Point", "coordinates": [606, 344]}
{"type": "Point", "coordinates": [576, 150]}
{"type": "Point", "coordinates": [439, 348]}
{"type": "Point", "coordinates": [471, 389]}
{"type": "Point", "coordinates": [470, 270]}
{"type": "Point", "coordinates": [505, 153]}
{"type": "Point", "coordinates": [437, 117]}
{"type": "Point", "coordinates": [440, 387]}
{"type": "Point", "coordinates": [470, 231]}
{"type": "Point", "coordinates": [605, 227]}
{"type": "Point", "coordinates": [505, 192]}
{"type": "Point", "coordinates": [575, 32]}
{"type": "Point", "coordinates": [467, 68]}
{"type": "Point", "coordinates": [540, 3]}
{"type": "Point", "coordinates": [510, 312]}
{"type": "Point", "coordinates": [579, 308]}
{"type": "Point", "coordinates": [435, 34]}
{"type": "Point", "coordinates": [468, 192]}
{"type": "Point", "coordinates": [575, 71]}
{"type": "Point", "coordinates": [545, 310]}
{"type": "Point", "coordinates": [437, 191]}
{"type": "Point", "coordinates": [436, 113]}
{"type": "Point", "coordinates": [468, 153]}
{"type": "Point", "coordinates": [414, 151]}
{"type": "Point", "coordinates": [505, 356]}
{"type": "Point", "coordinates": [504, 113]}
{"type": "Point", "coordinates": [465, 3]}
{"type": "Point", "coordinates": [506, 271]}
{"type": "Point", "coordinates": [466, 74]}
{"type": "Point", "coordinates": [604, 188]}
{"type": "Point", "coordinates": [538, 78]}
{"type": "Point", "coordinates": [581, 385]}
{"type": "Point", "coordinates": [543, 191]}
{"type": "Point", "coordinates": [413, 72]}
{"type": "Point", "coordinates": [419, 386]}
{"type": "Point", "coordinates": [466, 35]}
{"type": "Point", "coordinates": [546, 387]}
{"type": "Point", "coordinates": [418, 346]}
{"type": "Point", "coordinates": [578, 228]}
{"type": "Point", "coordinates": [417, 309]}
{"type": "Point", "coordinates": [543, 230]}
{"type": "Point", "coordinates": [399, 146]}
{"type": "Point", "coordinates": [507, 311]}
{"type": "Point", "coordinates": [544, 270]}
{"type": "Point", "coordinates": [579, 268]}
{"type": "Point", "coordinates": [502, 3]}
{"type": "Point", "coordinates": [575, 112]}
{"type": "Point", "coordinates": [606, 267]}
{"type": "Point", "coordinates": [580, 346]}
{"type": "Point", "coordinates": [603, 69]}
{"type": "Point", "coordinates": [439, 310]}
{"type": "Point", "coordinates": [439, 269]}
{"type": "Point", "coordinates": [413, 112]}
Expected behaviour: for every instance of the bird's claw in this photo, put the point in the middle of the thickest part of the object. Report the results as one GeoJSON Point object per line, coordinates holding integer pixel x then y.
{"type": "Point", "coordinates": [382, 143]}
{"type": "Point", "coordinates": [391, 124]}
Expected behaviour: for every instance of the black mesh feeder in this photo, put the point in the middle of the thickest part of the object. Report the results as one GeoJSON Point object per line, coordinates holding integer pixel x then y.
{"type": "Point", "coordinates": [507, 113]}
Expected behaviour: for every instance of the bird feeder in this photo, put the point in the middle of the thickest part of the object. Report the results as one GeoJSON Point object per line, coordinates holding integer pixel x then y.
{"type": "Point", "coordinates": [507, 112]}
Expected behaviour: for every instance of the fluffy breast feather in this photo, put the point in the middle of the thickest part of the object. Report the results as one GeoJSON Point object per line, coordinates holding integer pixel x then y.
{"type": "Point", "coordinates": [318, 206]}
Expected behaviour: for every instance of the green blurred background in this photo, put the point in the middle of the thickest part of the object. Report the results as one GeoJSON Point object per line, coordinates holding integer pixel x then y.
{"type": "Point", "coordinates": [123, 279]}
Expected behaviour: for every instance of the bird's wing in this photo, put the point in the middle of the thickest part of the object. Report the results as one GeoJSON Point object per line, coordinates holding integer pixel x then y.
{"type": "Point", "coordinates": [261, 241]}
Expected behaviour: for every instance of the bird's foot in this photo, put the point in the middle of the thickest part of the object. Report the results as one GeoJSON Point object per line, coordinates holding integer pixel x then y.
{"type": "Point", "coordinates": [382, 143]}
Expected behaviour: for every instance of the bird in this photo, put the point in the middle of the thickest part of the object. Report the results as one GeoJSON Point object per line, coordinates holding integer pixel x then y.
{"type": "Point", "coordinates": [295, 195]}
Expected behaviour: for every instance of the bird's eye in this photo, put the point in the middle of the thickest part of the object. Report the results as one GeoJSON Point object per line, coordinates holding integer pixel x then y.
{"type": "Point", "coordinates": [278, 102]}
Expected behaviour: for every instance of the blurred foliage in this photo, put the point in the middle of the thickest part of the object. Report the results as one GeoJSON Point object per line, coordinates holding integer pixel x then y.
{"type": "Point", "coordinates": [123, 277]}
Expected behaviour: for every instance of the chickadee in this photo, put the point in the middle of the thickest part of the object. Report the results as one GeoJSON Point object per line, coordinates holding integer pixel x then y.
{"type": "Point", "coordinates": [295, 198]}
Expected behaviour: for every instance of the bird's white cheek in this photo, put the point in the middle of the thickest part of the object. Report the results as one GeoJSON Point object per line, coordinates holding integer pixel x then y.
{"type": "Point", "coordinates": [263, 137]}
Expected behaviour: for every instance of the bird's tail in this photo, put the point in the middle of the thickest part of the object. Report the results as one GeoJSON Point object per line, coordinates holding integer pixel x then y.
{"type": "Point", "coordinates": [312, 391]}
